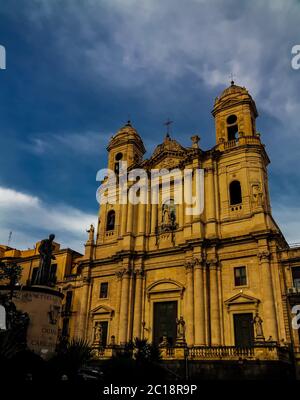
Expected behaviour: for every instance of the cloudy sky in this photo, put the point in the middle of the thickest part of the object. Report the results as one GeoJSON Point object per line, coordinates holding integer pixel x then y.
{"type": "Point", "coordinates": [77, 70]}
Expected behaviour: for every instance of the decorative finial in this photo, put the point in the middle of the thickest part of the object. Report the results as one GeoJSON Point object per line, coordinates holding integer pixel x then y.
{"type": "Point", "coordinates": [128, 123]}
{"type": "Point", "coordinates": [231, 77]}
{"type": "Point", "coordinates": [168, 124]}
{"type": "Point", "coordinates": [195, 140]}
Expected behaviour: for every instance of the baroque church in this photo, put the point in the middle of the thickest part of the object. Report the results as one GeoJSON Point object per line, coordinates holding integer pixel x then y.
{"type": "Point", "coordinates": [218, 270]}
{"type": "Point", "coordinates": [217, 285]}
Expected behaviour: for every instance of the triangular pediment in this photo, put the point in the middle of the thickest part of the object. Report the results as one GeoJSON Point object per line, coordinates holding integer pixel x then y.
{"type": "Point", "coordinates": [102, 309]}
{"type": "Point", "coordinates": [242, 298]}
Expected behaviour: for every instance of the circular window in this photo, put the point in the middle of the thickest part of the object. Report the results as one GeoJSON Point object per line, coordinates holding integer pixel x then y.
{"type": "Point", "coordinates": [231, 119]}
{"type": "Point", "coordinates": [119, 156]}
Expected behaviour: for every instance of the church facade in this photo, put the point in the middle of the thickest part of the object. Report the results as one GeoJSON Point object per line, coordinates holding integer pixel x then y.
{"type": "Point", "coordinates": [221, 283]}
{"type": "Point", "coordinates": [221, 271]}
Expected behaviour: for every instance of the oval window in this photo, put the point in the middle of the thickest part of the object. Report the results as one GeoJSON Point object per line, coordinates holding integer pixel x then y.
{"type": "Point", "coordinates": [231, 119]}
{"type": "Point", "coordinates": [119, 156]}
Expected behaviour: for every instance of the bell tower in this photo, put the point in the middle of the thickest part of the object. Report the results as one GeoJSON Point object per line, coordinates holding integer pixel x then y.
{"type": "Point", "coordinates": [235, 113]}
{"type": "Point", "coordinates": [241, 163]}
{"type": "Point", "coordinates": [125, 145]}
{"type": "Point", "coordinates": [114, 220]}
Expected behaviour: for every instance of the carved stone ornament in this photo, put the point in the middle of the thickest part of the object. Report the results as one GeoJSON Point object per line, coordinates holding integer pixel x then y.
{"type": "Point", "coordinates": [264, 255]}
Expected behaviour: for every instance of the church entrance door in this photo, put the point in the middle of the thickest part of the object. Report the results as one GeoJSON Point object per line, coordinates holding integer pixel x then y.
{"type": "Point", "coordinates": [243, 329]}
{"type": "Point", "coordinates": [164, 318]}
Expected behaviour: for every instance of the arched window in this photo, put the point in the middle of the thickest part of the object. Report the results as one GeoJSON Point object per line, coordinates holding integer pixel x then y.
{"type": "Point", "coordinates": [232, 127]}
{"type": "Point", "coordinates": [110, 222]}
{"type": "Point", "coordinates": [118, 158]}
{"type": "Point", "coordinates": [235, 192]}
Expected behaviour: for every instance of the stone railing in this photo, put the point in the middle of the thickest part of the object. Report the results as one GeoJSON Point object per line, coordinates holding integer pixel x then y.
{"type": "Point", "coordinates": [220, 352]}
{"type": "Point", "coordinates": [293, 290]}
{"type": "Point", "coordinates": [230, 144]}
{"type": "Point", "coordinates": [241, 141]}
{"type": "Point", "coordinates": [297, 351]}
{"type": "Point", "coordinates": [249, 140]}
{"type": "Point", "coordinates": [212, 353]}
{"type": "Point", "coordinates": [71, 277]}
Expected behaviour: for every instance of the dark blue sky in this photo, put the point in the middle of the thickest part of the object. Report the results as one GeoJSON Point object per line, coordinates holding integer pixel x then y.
{"type": "Point", "coordinates": [76, 71]}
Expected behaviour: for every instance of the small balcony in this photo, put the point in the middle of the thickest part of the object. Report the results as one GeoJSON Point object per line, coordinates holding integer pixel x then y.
{"type": "Point", "coordinates": [293, 291]}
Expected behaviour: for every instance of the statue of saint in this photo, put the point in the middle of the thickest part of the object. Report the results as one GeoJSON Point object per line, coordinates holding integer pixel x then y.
{"type": "Point", "coordinates": [257, 322]}
{"type": "Point", "coordinates": [98, 333]}
{"type": "Point", "coordinates": [166, 215]}
{"type": "Point", "coordinates": [257, 195]}
{"type": "Point", "coordinates": [46, 249]}
{"type": "Point", "coordinates": [91, 233]}
{"type": "Point", "coordinates": [180, 329]}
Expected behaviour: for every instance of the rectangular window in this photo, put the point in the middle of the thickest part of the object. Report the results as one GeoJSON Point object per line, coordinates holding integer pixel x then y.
{"type": "Point", "coordinates": [34, 274]}
{"type": "Point", "coordinates": [65, 327]}
{"type": "Point", "coordinates": [68, 304]}
{"type": "Point", "coordinates": [296, 277]}
{"type": "Point", "coordinates": [104, 290]}
{"type": "Point", "coordinates": [53, 270]}
{"type": "Point", "coordinates": [240, 277]}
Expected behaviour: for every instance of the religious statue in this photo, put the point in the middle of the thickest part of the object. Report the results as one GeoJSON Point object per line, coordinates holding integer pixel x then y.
{"type": "Point", "coordinates": [164, 342]}
{"type": "Point", "coordinates": [98, 333]}
{"type": "Point", "coordinates": [180, 330]}
{"type": "Point", "coordinates": [257, 322]}
{"type": "Point", "coordinates": [91, 232]}
{"type": "Point", "coordinates": [166, 215]}
{"type": "Point", "coordinates": [46, 249]}
{"type": "Point", "coordinates": [257, 195]}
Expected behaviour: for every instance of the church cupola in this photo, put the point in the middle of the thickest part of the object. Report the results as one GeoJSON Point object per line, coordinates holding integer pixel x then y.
{"type": "Point", "coordinates": [125, 146]}
{"type": "Point", "coordinates": [235, 113]}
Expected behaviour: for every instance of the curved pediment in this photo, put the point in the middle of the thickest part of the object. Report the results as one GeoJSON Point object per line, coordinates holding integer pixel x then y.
{"type": "Point", "coordinates": [163, 286]}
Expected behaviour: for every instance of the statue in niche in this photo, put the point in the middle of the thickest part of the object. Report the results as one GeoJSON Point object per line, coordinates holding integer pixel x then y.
{"type": "Point", "coordinates": [168, 215]}
{"type": "Point", "coordinates": [257, 195]}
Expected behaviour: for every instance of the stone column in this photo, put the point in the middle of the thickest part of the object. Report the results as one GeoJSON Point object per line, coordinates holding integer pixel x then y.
{"type": "Point", "coordinates": [119, 275]}
{"type": "Point", "coordinates": [153, 218]}
{"type": "Point", "coordinates": [270, 320]}
{"type": "Point", "coordinates": [209, 193]}
{"type": "Point", "coordinates": [199, 304]}
{"type": "Point", "coordinates": [189, 307]}
{"type": "Point", "coordinates": [142, 218]}
{"type": "Point", "coordinates": [123, 325]}
{"type": "Point", "coordinates": [84, 296]}
{"type": "Point", "coordinates": [181, 215]}
{"type": "Point", "coordinates": [123, 219]}
{"type": "Point", "coordinates": [129, 217]}
{"type": "Point", "coordinates": [137, 321]}
{"type": "Point", "coordinates": [188, 195]}
{"type": "Point", "coordinates": [214, 304]}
